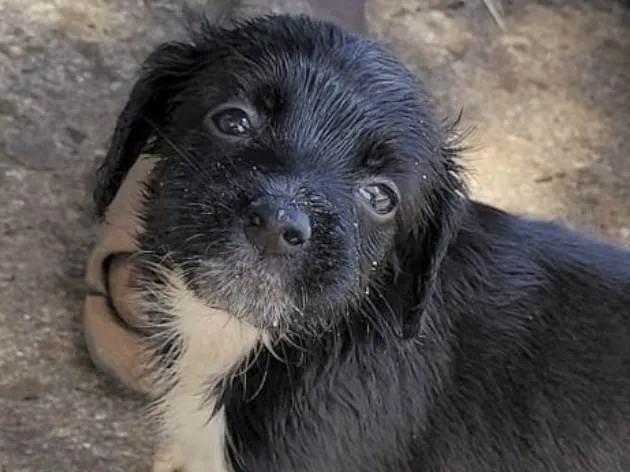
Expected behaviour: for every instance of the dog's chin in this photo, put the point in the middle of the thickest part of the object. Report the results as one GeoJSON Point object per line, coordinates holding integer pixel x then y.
{"type": "Point", "coordinates": [265, 293]}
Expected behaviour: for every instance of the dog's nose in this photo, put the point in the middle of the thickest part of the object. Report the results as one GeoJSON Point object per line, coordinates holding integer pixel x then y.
{"type": "Point", "coordinates": [276, 226]}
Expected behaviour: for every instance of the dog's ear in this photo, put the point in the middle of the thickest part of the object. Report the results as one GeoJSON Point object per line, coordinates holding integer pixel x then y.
{"type": "Point", "coordinates": [448, 205]}
{"type": "Point", "coordinates": [162, 76]}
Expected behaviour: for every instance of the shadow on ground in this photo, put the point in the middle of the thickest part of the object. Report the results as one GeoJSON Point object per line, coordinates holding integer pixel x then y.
{"type": "Point", "coordinates": [549, 98]}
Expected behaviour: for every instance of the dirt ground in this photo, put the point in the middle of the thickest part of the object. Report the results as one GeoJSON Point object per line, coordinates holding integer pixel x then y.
{"type": "Point", "coordinates": [549, 99]}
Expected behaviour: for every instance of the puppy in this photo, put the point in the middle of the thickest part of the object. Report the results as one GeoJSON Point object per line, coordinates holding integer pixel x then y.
{"type": "Point", "coordinates": [111, 320]}
{"type": "Point", "coordinates": [319, 292]}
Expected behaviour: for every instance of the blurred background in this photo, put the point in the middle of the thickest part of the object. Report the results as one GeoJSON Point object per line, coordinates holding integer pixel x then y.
{"type": "Point", "coordinates": [545, 84]}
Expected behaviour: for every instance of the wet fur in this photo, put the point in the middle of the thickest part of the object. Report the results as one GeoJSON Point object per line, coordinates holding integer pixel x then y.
{"type": "Point", "coordinates": [454, 338]}
{"type": "Point", "coordinates": [210, 343]}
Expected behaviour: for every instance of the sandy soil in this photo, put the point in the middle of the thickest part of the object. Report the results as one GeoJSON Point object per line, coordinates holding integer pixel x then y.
{"type": "Point", "coordinates": [549, 100]}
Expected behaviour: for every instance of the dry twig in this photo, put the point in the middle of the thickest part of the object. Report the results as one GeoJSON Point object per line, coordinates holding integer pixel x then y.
{"type": "Point", "coordinates": [495, 11]}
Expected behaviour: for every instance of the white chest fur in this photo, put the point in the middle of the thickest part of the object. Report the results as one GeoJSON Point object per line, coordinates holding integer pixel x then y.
{"type": "Point", "coordinates": [213, 343]}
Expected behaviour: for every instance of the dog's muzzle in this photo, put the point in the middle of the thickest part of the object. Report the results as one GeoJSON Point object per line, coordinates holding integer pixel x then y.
{"type": "Point", "coordinates": [277, 226]}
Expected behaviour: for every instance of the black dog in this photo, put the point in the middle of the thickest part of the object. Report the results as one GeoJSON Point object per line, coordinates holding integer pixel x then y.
{"type": "Point", "coordinates": [324, 296]}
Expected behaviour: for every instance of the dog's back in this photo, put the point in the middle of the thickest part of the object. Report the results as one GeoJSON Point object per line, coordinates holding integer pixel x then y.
{"type": "Point", "coordinates": [540, 359]}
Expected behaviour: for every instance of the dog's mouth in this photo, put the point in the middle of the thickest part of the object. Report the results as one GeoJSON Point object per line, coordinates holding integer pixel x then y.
{"type": "Point", "coordinates": [277, 279]}
{"type": "Point", "coordinates": [256, 289]}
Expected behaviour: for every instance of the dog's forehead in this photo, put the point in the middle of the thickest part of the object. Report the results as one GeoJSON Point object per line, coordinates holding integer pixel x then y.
{"type": "Point", "coordinates": [314, 86]}
{"type": "Point", "coordinates": [292, 57]}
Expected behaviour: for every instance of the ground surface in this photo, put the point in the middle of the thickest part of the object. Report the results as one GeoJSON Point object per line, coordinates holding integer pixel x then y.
{"type": "Point", "coordinates": [550, 100]}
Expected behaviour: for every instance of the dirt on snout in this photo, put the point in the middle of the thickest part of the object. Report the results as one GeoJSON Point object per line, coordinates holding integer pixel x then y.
{"type": "Point", "coordinates": [549, 99]}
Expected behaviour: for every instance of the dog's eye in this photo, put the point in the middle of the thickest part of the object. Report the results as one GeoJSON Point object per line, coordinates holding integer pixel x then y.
{"type": "Point", "coordinates": [381, 197]}
{"type": "Point", "coordinates": [232, 122]}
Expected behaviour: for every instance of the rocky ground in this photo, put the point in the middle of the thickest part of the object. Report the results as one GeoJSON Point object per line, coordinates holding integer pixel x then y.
{"type": "Point", "coordinates": [549, 99]}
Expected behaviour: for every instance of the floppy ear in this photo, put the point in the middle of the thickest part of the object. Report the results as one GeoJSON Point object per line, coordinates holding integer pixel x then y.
{"type": "Point", "coordinates": [448, 207]}
{"type": "Point", "coordinates": [162, 76]}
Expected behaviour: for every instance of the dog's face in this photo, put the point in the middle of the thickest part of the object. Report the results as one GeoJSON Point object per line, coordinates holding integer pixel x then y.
{"type": "Point", "coordinates": [294, 159]}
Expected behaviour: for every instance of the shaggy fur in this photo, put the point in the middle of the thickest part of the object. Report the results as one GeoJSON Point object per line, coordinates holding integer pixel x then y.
{"type": "Point", "coordinates": [445, 336]}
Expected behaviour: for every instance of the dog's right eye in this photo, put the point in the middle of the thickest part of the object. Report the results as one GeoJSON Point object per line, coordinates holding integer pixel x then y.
{"type": "Point", "coordinates": [233, 121]}
{"type": "Point", "coordinates": [381, 197]}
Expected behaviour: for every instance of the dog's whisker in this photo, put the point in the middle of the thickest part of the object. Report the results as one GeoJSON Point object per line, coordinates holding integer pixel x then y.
{"type": "Point", "coordinates": [180, 152]}
{"type": "Point", "coordinates": [260, 386]}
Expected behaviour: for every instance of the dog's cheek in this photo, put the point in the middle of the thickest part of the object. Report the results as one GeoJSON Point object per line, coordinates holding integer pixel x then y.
{"type": "Point", "coordinates": [327, 276]}
{"type": "Point", "coordinates": [184, 208]}
{"type": "Point", "coordinates": [376, 240]}
{"type": "Point", "coordinates": [350, 252]}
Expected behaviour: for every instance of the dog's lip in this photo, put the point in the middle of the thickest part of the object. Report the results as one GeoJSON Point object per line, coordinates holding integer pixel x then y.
{"type": "Point", "coordinates": [254, 263]}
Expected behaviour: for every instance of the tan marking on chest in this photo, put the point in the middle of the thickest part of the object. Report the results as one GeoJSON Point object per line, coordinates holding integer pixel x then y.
{"type": "Point", "coordinates": [213, 343]}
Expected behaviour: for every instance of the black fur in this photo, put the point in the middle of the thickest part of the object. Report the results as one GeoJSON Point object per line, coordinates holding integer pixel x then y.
{"type": "Point", "coordinates": [454, 337]}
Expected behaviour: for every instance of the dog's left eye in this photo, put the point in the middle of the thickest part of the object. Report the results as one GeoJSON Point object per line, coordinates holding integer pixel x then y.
{"type": "Point", "coordinates": [232, 121]}
{"type": "Point", "coordinates": [380, 197]}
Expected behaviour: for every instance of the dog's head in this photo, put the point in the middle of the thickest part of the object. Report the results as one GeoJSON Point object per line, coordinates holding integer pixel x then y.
{"type": "Point", "coordinates": [298, 164]}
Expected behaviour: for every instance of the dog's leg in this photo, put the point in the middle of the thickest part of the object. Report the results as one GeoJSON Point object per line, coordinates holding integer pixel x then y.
{"type": "Point", "coordinates": [109, 315]}
{"type": "Point", "coordinates": [109, 323]}
{"type": "Point", "coordinates": [113, 347]}
{"type": "Point", "coordinates": [201, 451]}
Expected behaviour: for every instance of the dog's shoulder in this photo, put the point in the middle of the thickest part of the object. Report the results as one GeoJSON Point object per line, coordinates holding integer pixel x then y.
{"type": "Point", "coordinates": [547, 254]}
{"type": "Point", "coordinates": [538, 319]}
{"type": "Point", "coordinates": [526, 277]}
{"type": "Point", "coordinates": [542, 313]}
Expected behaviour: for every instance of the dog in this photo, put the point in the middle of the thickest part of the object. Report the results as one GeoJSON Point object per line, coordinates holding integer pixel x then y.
{"type": "Point", "coordinates": [111, 319]}
{"type": "Point", "coordinates": [318, 291]}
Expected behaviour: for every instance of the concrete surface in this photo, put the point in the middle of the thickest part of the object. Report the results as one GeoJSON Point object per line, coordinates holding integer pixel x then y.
{"type": "Point", "coordinates": [549, 100]}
